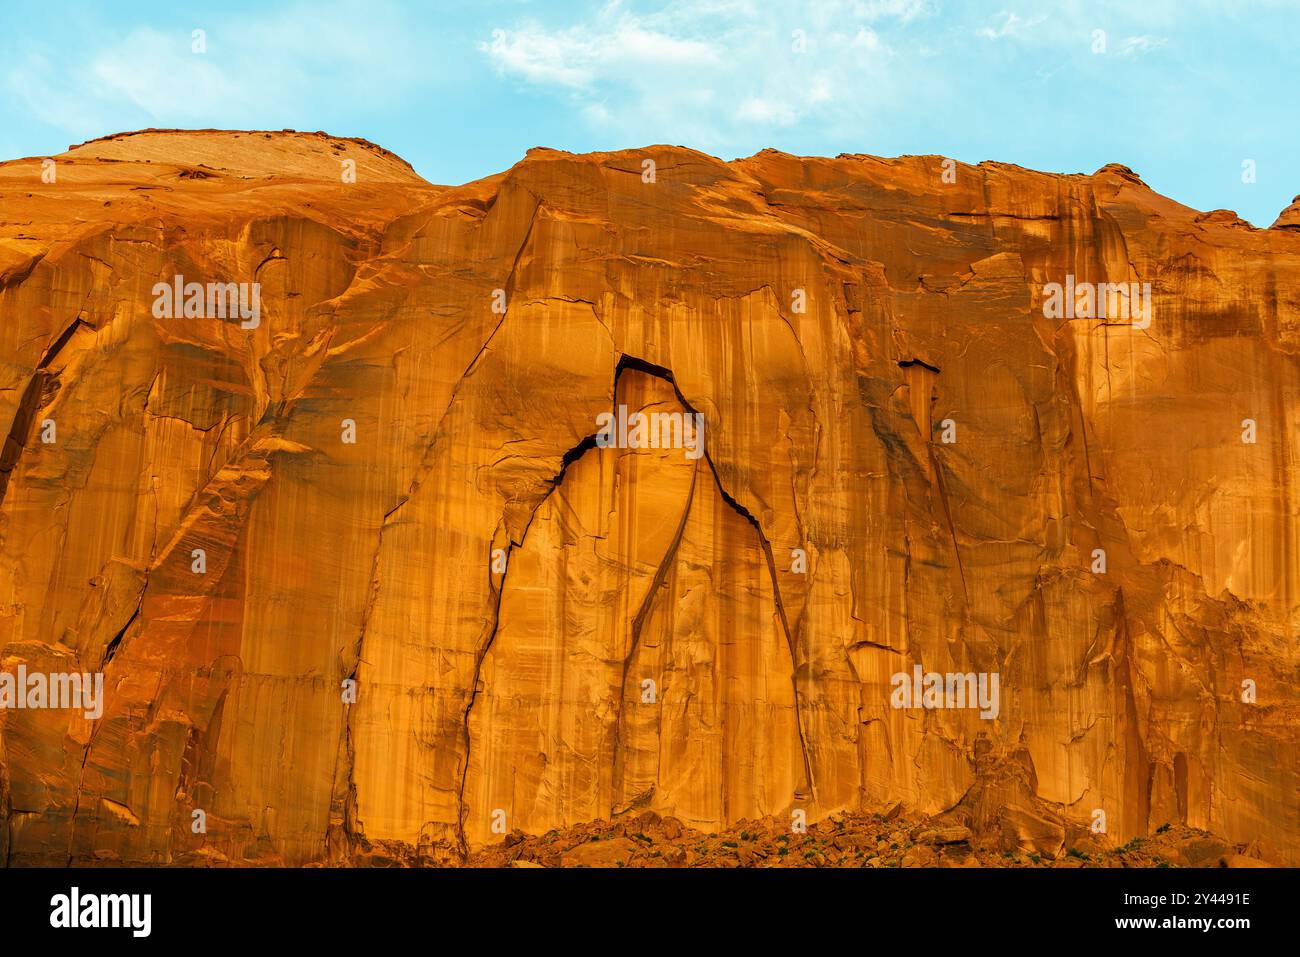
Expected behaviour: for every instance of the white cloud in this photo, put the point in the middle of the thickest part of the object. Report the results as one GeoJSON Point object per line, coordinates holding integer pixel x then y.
{"type": "Point", "coordinates": [893, 9]}
{"type": "Point", "coordinates": [596, 114]}
{"type": "Point", "coordinates": [758, 110]}
{"type": "Point", "coordinates": [868, 39]}
{"type": "Point", "coordinates": [708, 73]}
{"type": "Point", "coordinates": [540, 57]}
{"type": "Point", "coordinates": [1012, 26]}
{"type": "Point", "coordinates": [162, 77]}
{"type": "Point", "coordinates": [264, 70]}
{"type": "Point", "coordinates": [1008, 27]}
{"type": "Point", "coordinates": [34, 82]}
{"type": "Point", "coordinates": [1138, 46]}
{"type": "Point", "coordinates": [577, 56]}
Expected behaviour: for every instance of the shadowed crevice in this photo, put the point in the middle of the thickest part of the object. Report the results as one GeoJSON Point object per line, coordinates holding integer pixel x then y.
{"type": "Point", "coordinates": [40, 389]}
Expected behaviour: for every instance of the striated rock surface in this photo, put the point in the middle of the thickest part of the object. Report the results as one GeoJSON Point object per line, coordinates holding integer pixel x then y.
{"type": "Point", "coordinates": [364, 588]}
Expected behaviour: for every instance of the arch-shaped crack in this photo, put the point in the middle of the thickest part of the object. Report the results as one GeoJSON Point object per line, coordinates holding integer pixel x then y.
{"type": "Point", "coordinates": [497, 586]}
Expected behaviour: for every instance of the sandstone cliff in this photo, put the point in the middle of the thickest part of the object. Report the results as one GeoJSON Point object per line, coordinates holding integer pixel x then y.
{"type": "Point", "coordinates": [392, 481]}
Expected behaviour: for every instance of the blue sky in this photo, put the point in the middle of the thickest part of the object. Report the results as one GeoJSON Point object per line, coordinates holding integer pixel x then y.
{"type": "Point", "coordinates": [1183, 91]}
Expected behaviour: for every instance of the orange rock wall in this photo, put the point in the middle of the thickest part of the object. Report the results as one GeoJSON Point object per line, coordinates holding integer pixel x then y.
{"type": "Point", "coordinates": [830, 318]}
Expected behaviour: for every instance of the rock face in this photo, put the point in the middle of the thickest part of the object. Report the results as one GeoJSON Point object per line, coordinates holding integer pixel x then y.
{"type": "Point", "coordinates": [364, 586]}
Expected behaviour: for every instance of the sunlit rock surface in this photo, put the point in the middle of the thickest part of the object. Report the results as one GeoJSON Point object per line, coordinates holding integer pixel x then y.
{"type": "Point", "coordinates": [906, 463]}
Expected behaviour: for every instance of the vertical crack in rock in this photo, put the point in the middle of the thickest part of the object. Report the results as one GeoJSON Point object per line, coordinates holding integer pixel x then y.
{"type": "Point", "coordinates": [572, 455]}
{"type": "Point", "coordinates": [111, 648]}
{"type": "Point", "coordinates": [40, 389]}
{"type": "Point", "coordinates": [519, 253]}
{"type": "Point", "coordinates": [647, 603]}
{"type": "Point", "coordinates": [347, 800]}
{"type": "Point", "coordinates": [76, 804]}
{"type": "Point", "coordinates": [485, 644]}
{"type": "Point", "coordinates": [427, 460]}
{"type": "Point", "coordinates": [811, 784]}
{"type": "Point", "coordinates": [920, 376]}
{"type": "Point", "coordinates": [1139, 763]}
{"type": "Point", "coordinates": [481, 652]}
{"type": "Point", "coordinates": [343, 798]}
{"type": "Point", "coordinates": [650, 368]}
{"type": "Point", "coordinates": [947, 514]}
{"type": "Point", "coordinates": [57, 346]}
{"type": "Point", "coordinates": [21, 429]}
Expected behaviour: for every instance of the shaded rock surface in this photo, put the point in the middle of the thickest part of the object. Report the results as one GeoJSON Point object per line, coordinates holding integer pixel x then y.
{"type": "Point", "coordinates": [907, 464]}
